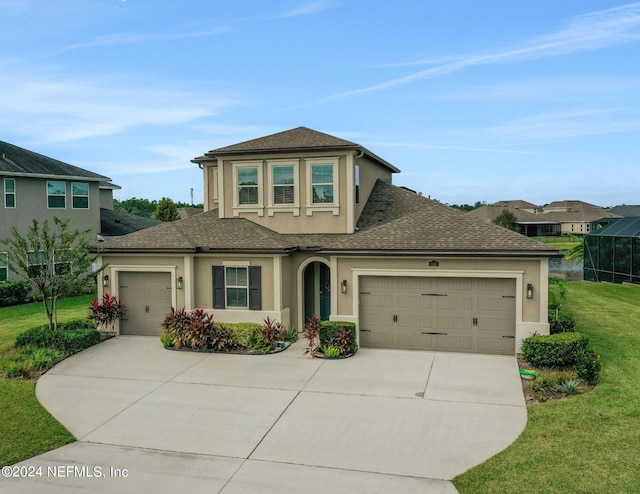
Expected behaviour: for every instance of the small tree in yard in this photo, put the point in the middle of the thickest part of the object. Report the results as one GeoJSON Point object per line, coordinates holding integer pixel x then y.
{"type": "Point", "coordinates": [507, 219]}
{"type": "Point", "coordinates": [54, 259]}
{"type": "Point", "coordinates": [166, 210]}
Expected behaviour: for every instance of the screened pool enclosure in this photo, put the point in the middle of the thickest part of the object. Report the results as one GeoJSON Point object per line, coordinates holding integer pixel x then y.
{"type": "Point", "coordinates": [612, 254]}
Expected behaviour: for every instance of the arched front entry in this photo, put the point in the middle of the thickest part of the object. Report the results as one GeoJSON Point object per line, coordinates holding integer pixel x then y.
{"type": "Point", "coordinates": [316, 282]}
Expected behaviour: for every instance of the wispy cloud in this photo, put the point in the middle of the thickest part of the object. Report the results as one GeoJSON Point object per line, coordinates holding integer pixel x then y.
{"type": "Point", "coordinates": [592, 31]}
{"type": "Point", "coordinates": [309, 8]}
{"type": "Point", "coordinates": [57, 109]}
{"type": "Point", "coordinates": [132, 38]}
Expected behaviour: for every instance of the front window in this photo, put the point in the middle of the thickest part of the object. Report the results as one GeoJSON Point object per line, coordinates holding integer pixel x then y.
{"type": "Point", "coordinates": [37, 263]}
{"type": "Point", "coordinates": [322, 184]}
{"type": "Point", "coordinates": [56, 195]}
{"type": "Point", "coordinates": [80, 195]}
{"type": "Point", "coordinates": [247, 185]}
{"type": "Point", "coordinates": [4, 268]}
{"type": "Point", "coordinates": [9, 193]}
{"type": "Point", "coordinates": [236, 287]}
{"type": "Point", "coordinates": [283, 183]}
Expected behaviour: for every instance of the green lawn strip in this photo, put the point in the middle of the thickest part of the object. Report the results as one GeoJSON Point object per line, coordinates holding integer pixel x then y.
{"type": "Point", "coordinates": [26, 428]}
{"type": "Point", "coordinates": [14, 320]}
{"type": "Point", "coordinates": [585, 443]}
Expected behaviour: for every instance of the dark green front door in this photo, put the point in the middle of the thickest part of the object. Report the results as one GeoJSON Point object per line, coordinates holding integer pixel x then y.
{"type": "Point", "coordinates": [317, 291]}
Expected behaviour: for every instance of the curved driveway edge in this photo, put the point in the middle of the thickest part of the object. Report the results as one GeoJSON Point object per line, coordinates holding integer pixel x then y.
{"type": "Point", "coordinates": [382, 421]}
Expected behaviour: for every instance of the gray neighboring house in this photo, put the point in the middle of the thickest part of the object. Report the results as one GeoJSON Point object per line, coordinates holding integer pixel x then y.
{"type": "Point", "coordinates": [37, 187]}
{"type": "Point", "coordinates": [302, 222]}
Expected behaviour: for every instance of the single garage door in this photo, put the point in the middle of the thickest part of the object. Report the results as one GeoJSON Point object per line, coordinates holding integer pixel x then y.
{"type": "Point", "coordinates": [147, 299]}
{"type": "Point", "coordinates": [453, 314]}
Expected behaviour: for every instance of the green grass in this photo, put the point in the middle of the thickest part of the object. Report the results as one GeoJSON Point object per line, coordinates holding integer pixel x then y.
{"type": "Point", "coordinates": [26, 428]}
{"type": "Point", "coordinates": [587, 443]}
{"type": "Point", "coordinates": [14, 320]}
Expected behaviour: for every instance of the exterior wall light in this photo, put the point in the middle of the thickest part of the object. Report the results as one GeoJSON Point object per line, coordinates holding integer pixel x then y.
{"type": "Point", "coordinates": [434, 264]}
{"type": "Point", "coordinates": [343, 286]}
{"type": "Point", "coordinates": [180, 280]}
{"type": "Point", "coordinates": [105, 280]}
{"type": "Point", "coordinates": [529, 290]}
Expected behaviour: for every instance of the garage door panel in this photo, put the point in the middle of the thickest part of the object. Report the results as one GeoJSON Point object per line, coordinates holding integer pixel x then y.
{"type": "Point", "coordinates": [146, 298]}
{"type": "Point", "coordinates": [463, 314]}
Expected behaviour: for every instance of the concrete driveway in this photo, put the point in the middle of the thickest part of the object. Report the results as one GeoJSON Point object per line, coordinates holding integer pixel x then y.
{"type": "Point", "coordinates": [152, 420]}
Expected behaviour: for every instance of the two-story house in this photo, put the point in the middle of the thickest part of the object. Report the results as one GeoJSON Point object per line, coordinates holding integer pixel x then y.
{"type": "Point", "coordinates": [37, 187]}
{"type": "Point", "coordinates": [302, 222]}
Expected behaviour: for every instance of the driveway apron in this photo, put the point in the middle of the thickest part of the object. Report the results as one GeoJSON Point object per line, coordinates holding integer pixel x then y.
{"type": "Point", "coordinates": [152, 420]}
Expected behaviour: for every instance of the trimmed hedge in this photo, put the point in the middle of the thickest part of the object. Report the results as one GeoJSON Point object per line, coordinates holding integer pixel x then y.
{"type": "Point", "coordinates": [70, 337]}
{"type": "Point", "coordinates": [556, 350]}
{"type": "Point", "coordinates": [563, 324]}
{"type": "Point", "coordinates": [14, 292]}
{"type": "Point", "coordinates": [244, 331]}
{"type": "Point", "coordinates": [329, 332]}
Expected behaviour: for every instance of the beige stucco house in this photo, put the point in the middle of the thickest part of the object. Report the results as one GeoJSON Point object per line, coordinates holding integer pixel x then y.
{"type": "Point", "coordinates": [302, 222]}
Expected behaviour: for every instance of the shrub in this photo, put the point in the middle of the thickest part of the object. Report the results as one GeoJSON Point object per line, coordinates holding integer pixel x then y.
{"type": "Point", "coordinates": [271, 332]}
{"type": "Point", "coordinates": [23, 362]}
{"type": "Point", "coordinates": [290, 335]}
{"type": "Point", "coordinates": [166, 339]}
{"type": "Point", "coordinates": [14, 292]}
{"type": "Point", "coordinates": [569, 387]}
{"type": "Point", "coordinates": [243, 331]}
{"type": "Point", "coordinates": [588, 367]}
{"type": "Point", "coordinates": [199, 332]}
{"type": "Point", "coordinates": [106, 312]}
{"type": "Point", "coordinates": [330, 351]}
{"type": "Point", "coordinates": [222, 339]}
{"type": "Point", "coordinates": [176, 323]}
{"type": "Point", "coordinates": [258, 344]}
{"type": "Point", "coordinates": [311, 331]}
{"type": "Point", "coordinates": [340, 334]}
{"type": "Point", "coordinates": [71, 337]}
{"type": "Point", "coordinates": [564, 323]}
{"type": "Point", "coordinates": [556, 350]}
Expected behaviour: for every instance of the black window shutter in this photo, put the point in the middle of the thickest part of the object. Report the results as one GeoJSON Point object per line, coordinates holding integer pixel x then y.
{"type": "Point", "coordinates": [218, 287]}
{"type": "Point", "coordinates": [255, 288]}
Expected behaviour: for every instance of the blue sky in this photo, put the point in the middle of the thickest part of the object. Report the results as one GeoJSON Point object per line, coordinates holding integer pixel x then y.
{"type": "Point", "coordinates": [473, 101]}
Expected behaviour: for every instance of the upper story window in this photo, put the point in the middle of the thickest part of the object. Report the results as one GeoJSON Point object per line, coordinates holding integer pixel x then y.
{"type": "Point", "coordinates": [322, 184]}
{"type": "Point", "coordinates": [323, 189]}
{"type": "Point", "coordinates": [283, 184]}
{"type": "Point", "coordinates": [4, 266]}
{"type": "Point", "coordinates": [9, 192]}
{"type": "Point", "coordinates": [80, 195]}
{"type": "Point", "coordinates": [247, 185]}
{"type": "Point", "coordinates": [56, 195]}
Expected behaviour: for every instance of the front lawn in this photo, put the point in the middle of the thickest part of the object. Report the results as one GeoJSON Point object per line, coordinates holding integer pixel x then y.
{"type": "Point", "coordinates": [586, 443]}
{"type": "Point", "coordinates": [26, 428]}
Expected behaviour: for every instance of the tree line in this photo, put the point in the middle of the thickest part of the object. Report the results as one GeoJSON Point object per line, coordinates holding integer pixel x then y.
{"type": "Point", "coordinates": [164, 209]}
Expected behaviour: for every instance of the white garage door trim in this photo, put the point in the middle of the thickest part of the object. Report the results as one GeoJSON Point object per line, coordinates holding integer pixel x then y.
{"type": "Point", "coordinates": [114, 271]}
{"type": "Point", "coordinates": [440, 273]}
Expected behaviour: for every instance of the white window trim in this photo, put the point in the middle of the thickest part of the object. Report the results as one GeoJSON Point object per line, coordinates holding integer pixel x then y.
{"type": "Point", "coordinates": [57, 195]}
{"type": "Point", "coordinates": [226, 286]}
{"type": "Point", "coordinates": [294, 208]}
{"type": "Point", "coordinates": [324, 207]}
{"type": "Point", "coordinates": [248, 208]}
{"type": "Point", "coordinates": [15, 199]}
{"type": "Point", "coordinates": [4, 263]}
{"type": "Point", "coordinates": [88, 196]}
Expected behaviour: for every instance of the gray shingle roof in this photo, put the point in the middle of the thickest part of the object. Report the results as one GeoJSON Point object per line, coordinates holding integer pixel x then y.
{"type": "Point", "coordinates": [15, 160]}
{"type": "Point", "coordinates": [298, 139]}
{"type": "Point", "coordinates": [394, 220]}
{"type": "Point", "coordinates": [118, 223]}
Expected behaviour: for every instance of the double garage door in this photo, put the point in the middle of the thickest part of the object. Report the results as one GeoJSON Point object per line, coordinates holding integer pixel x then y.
{"type": "Point", "coordinates": [146, 298]}
{"type": "Point", "coordinates": [452, 314]}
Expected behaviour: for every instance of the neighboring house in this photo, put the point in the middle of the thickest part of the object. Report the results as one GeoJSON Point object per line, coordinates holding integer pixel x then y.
{"type": "Point", "coordinates": [556, 218]}
{"type": "Point", "coordinates": [38, 187]}
{"type": "Point", "coordinates": [612, 254]}
{"type": "Point", "coordinates": [626, 211]}
{"type": "Point", "coordinates": [302, 222]}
